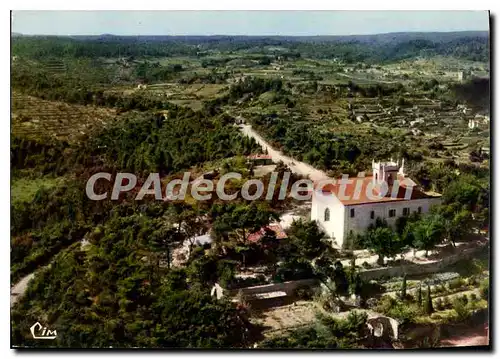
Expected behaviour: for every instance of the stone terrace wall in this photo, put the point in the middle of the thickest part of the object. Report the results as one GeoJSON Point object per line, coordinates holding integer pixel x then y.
{"type": "Point", "coordinates": [420, 268]}
{"type": "Point", "coordinates": [287, 287]}
{"type": "Point", "coordinates": [398, 271]}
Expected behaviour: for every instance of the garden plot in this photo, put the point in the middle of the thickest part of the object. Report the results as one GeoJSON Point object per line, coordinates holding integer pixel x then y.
{"type": "Point", "coordinates": [185, 95]}
{"type": "Point", "coordinates": [298, 314]}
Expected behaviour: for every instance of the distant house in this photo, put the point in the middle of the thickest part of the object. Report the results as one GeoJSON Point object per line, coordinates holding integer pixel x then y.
{"type": "Point", "coordinates": [472, 124]}
{"type": "Point", "coordinates": [210, 174]}
{"type": "Point", "coordinates": [163, 114]}
{"type": "Point", "coordinates": [463, 75]}
{"type": "Point", "coordinates": [484, 118]}
{"type": "Point", "coordinates": [239, 120]}
{"type": "Point", "coordinates": [260, 159]}
{"type": "Point", "coordinates": [417, 121]}
{"type": "Point", "coordinates": [465, 110]}
{"type": "Point", "coordinates": [416, 132]}
{"type": "Point", "coordinates": [485, 150]}
{"type": "Point", "coordinates": [217, 291]}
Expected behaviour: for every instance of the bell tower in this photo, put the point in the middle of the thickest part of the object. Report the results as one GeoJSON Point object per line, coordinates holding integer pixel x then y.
{"type": "Point", "coordinates": [386, 172]}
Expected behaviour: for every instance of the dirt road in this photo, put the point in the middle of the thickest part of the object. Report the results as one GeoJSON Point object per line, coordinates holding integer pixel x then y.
{"type": "Point", "coordinates": [477, 336]}
{"type": "Point", "coordinates": [19, 288]}
{"type": "Point", "coordinates": [298, 167]}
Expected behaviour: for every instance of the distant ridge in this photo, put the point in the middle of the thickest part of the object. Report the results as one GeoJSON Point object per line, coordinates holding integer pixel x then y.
{"type": "Point", "coordinates": [381, 38]}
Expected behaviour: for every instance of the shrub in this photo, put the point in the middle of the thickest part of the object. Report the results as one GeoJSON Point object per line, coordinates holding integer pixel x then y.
{"type": "Point", "coordinates": [484, 288]}
{"type": "Point", "coordinates": [473, 298]}
{"type": "Point", "coordinates": [403, 289]}
{"type": "Point", "coordinates": [456, 283]}
{"type": "Point", "coordinates": [446, 303]}
{"type": "Point", "coordinates": [419, 295]}
{"type": "Point", "coordinates": [329, 302]}
{"type": "Point", "coordinates": [428, 309]}
{"type": "Point", "coordinates": [304, 292]}
{"type": "Point", "coordinates": [438, 303]}
{"type": "Point", "coordinates": [410, 298]}
{"type": "Point", "coordinates": [226, 276]}
{"type": "Point", "coordinates": [405, 313]}
{"type": "Point", "coordinates": [440, 288]}
{"type": "Point", "coordinates": [465, 299]}
{"type": "Point", "coordinates": [386, 303]}
{"type": "Point", "coordinates": [461, 310]}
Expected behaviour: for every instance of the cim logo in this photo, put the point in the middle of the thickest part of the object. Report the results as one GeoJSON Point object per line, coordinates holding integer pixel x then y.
{"type": "Point", "coordinates": [38, 331]}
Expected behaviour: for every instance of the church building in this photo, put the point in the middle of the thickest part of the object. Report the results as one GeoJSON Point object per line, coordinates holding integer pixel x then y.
{"type": "Point", "coordinates": [349, 206]}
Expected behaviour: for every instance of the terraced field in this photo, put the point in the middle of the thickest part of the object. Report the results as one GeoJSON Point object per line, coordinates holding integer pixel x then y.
{"type": "Point", "coordinates": [32, 117]}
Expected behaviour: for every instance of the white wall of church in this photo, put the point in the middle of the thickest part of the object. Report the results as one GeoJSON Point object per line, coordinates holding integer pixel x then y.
{"type": "Point", "coordinates": [341, 222]}
{"type": "Point", "coordinates": [363, 218]}
{"type": "Point", "coordinates": [334, 228]}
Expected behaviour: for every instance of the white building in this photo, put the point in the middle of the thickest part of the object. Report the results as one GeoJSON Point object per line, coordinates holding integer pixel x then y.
{"type": "Point", "coordinates": [349, 206]}
{"type": "Point", "coordinates": [473, 124]}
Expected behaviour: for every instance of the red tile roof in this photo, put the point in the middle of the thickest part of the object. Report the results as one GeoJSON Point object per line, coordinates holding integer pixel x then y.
{"type": "Point", "coordinates": [356, 191]}
{"type": "Point", "coordinates": [280, 233]}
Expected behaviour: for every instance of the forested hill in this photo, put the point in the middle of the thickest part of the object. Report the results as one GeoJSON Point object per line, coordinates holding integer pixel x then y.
{"type": "Point", "coordinates": [471, 45]}
{"type": "Point", "coordinates": [372, 38]}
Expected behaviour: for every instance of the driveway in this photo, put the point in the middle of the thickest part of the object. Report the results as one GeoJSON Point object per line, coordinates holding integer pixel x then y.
{"type": "Point", "coordinates": [297, 167]}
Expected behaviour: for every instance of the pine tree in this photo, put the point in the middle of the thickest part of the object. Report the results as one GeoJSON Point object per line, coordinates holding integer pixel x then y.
{"type": "Point", "coordinates": [419, 295]}
{"type": "Point", "coordinates": [428, 302]}
{"type": "Point", "coordinates": [403, 288]}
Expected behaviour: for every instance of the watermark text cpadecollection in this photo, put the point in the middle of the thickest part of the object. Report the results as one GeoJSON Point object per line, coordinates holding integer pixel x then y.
{"type": "Point", "coordinates": [202, 189]}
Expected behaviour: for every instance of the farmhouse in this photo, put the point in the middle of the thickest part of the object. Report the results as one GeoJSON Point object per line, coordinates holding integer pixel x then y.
{"type": "Point", "coordinates": [342, 209]}
{"type": "Point", "coordinates": [260, 159]}
{"type": "Point", "coordinates": [472, 124]}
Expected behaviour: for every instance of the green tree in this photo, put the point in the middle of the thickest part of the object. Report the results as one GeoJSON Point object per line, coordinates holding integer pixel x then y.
{"type": "Point", "coordinates": [465, 191]}
{"type": "Point", "coordinates": [428, 232]}
{"type": "Point", "coordinates": [340, 279]}
{"type": "Point", "coordinates": [308, 238]}
{"type": "Point", "coordinates": [457, 220]}
{"type": "Point", "coordinates": [485, 288]}
{"type": "Point", "coordinates": [458, 226]}
{"type": "Point", "coordinates": [428, 302]}
{"type": "Point", "coordinates": [382, 241]}
{"type": "Point", "coordinates": [419, 295]}
{"type": "Point", "coordinates": [241, 219]}
{"type": "Point", "coordinates": [403, 289]}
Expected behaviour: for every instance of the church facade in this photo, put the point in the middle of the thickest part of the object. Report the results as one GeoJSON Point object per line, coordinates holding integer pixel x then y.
{"type": "Point", "coordinates": [349, 207]}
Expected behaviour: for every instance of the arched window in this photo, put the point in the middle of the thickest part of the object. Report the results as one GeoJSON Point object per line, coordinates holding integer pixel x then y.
{"type": "Point", "coordinates": [327, 215]}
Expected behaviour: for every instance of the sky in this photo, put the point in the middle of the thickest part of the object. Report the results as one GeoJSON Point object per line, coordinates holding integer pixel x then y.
{"type": "Point", "coordinates": [298, 23]}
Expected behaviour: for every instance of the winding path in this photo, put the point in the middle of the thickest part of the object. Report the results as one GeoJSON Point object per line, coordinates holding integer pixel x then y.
{"type": "Point", "coordinates": [298, 167]}
{"type": "Point", "coordinates": [17, 290]}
